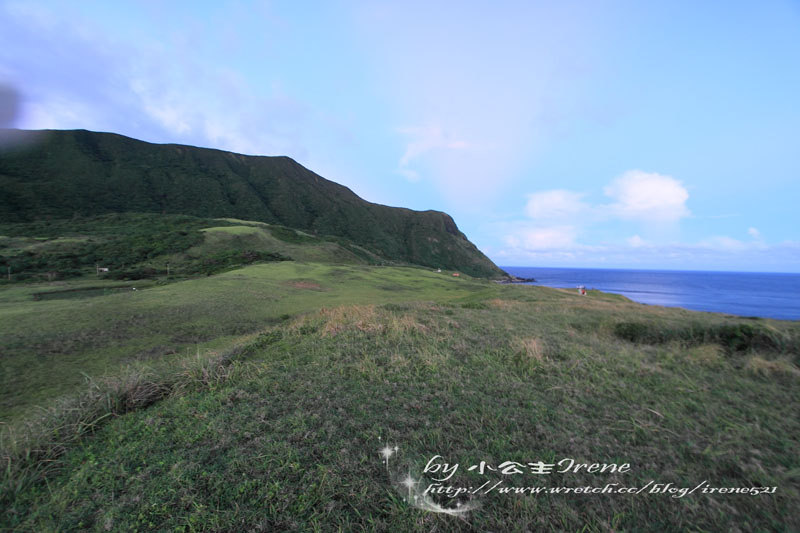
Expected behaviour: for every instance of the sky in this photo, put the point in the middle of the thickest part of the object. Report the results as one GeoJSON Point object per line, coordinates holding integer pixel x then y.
{"type": "Point", "coordinates": [614, 134]}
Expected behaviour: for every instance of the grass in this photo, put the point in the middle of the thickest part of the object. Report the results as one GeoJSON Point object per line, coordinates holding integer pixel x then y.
{"type": "Point", "coordinates": [71, 248]}
{"type": "Point", "coordinates": [279, 429]}
{"type": "Point", "coordinates": [281, 240]}
{"type": "Point", "coordinates": [43, 359]}
{"type": "Point", "coordinates": [133, 246]}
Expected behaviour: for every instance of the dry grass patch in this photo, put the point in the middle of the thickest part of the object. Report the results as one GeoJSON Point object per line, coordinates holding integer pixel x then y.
{"type": "Point", "coordinates": [532, 347]}
{"type": "Point", "coordinates": [300, 284]}
{"type": "Point", "coordinates": [369, 319]}
{"type": "Point", "coordinates": [770, 368]}
{"type": "Point", "coordinates": [649, 368]}
{"type": "Point", "coordinates": [338, 319]}
{"type": "Point", "coordinates": [210, 370]}
{"type": "Point", "coordinates": [299, 323]}
{"type": "Point", "coordinates": [406, 324]}
{"type": "Point", "coordinates": [498, 303]}
{"type": "Point", "coordinates": [707, 354]}
{"type": "Point", "coordinates": [133, 390]}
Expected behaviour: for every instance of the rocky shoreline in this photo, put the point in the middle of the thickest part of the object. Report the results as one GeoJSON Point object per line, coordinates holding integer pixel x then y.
{"type": "Point", "coordinates": [515, 279]}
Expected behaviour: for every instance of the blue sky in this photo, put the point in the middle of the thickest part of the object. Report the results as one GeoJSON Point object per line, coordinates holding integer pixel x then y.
{"type": "Point", "coordinates": [586, 134]}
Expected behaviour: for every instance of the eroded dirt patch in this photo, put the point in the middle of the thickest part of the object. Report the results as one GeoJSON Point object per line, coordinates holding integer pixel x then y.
{"type": "Point", "coordinates": [301, 284]}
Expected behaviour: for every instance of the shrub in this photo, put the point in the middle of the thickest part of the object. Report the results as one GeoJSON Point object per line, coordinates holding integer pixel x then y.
{"type": "Point", "coordinates": [732, 337]}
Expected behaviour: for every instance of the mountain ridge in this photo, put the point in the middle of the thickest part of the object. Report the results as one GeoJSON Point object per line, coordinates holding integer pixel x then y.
{"type": "Point", "coordinates": [79, 172]}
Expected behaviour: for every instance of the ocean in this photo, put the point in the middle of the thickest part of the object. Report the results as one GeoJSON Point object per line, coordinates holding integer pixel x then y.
{"type": "Point", "coordinates": [767, 295]}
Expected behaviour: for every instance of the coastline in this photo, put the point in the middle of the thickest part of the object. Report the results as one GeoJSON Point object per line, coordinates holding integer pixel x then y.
{"type": "Point", "coordinates": [740, 294]}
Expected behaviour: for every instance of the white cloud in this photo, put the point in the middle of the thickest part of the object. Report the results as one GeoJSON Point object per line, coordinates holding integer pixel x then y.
{"type": "Point", "coordinates": [167, 113]}
{"type": "Point", "coordinates": [216, 108]}
{"type": "Point", "coordinates": [723, 243]}
{"type": "Point", "coordinates": [542, 238]}
{"type": "Point", "coordinates": [636, 242]}
{"type": "Point", "coordinates": [754, 233]}
{"type": "Point", "coordinates": [716, 253]}
{"type": "Point", "coordinates": [555, 204]}
{"type": "Point", "coordinates": [411, 175]}
{"type": "Point", "coordinates": [655, 200]}
{"type": "Point", "coordinates": [639, 196]}
{"type": "Point", "coordinates": [648, 196]}
{"type": "Point", "coordinates": [426, 139]}
{"type": "Point", "coordinates": [57, 111]}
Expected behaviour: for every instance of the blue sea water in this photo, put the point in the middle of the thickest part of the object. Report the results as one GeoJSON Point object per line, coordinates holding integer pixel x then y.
{"type": "Point", "coordinates": [768, 295]}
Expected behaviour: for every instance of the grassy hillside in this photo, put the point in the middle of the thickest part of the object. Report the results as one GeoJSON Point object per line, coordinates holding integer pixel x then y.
{"type": "Point", "coordinates": [299, 246]}
{"type": "Point", "coordinates": [128, 245]}
{"type": "Point", "coordinates": [305, 372]}
{"type": "Point", "coordinates": [84, 173]}
{"type": "Point", "coordinates": [142, 245]}
{"type": "Point", "coordinates": [100, 326]}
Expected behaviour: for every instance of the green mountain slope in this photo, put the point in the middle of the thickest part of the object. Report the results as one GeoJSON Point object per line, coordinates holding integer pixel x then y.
{"type": "Point", "coordinates": [87, 173]}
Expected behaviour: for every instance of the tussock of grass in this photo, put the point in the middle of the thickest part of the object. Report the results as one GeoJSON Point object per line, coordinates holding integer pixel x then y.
{"type": "Point", "coordinates": [707, 354]}
{"type": "Point", "coordinates": [527, 354]}
{"type": "Point", "coordinates": [367, 318]}
{"type": "Point", "coordinates": [361, 317]}
{"type": "Point", "coordinates": [531, 347]}
{"type": "Point", "coordinates": [772, 368]}
{"type": "Point", "coordinates": [475, 305]}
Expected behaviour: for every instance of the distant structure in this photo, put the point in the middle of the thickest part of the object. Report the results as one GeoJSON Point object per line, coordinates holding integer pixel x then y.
{"type": "Point", "coordinates": [456, 275]}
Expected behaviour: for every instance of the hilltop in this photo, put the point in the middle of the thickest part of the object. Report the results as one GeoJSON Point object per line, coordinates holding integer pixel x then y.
{"type": "Point", "coordinates": [65, 174]}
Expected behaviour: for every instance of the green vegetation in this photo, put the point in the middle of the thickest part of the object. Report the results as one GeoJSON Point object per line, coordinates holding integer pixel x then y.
{"type": "Point", "coordinates": [305, 371]}
{"type": "Point", "coordinates": [157, 323]}
{"type": "Point", "coordinates": [58, 249]}
{"type": "Point", "coordinates": [130, 246]}
{"type": "Point", "coordinates": [284, 241]}
{"type": "Point", "coordinates": [83, 173]}
{"type": "Point", "coordinates": [732, 337]}
{"type": "Point", "coordinates": [140, 246]}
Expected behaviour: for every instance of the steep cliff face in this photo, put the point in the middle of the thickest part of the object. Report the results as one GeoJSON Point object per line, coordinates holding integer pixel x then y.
{"type": "Point", "coordinates": [88, 173]}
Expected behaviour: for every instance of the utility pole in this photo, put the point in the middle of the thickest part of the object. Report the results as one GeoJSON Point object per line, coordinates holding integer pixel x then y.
{"type": "Point", "coordinates": [167, 269]}
{"type": "Point", "coordinates": [9, 272]}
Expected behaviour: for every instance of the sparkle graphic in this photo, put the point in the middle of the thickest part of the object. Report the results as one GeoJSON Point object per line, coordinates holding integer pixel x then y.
{"type": "Point", "coordinates": [418, 497]}
{"type": "Point", "coordinates": [387, 452]}
{"type": "Point", "coordinates": [420, 500]}
{"type": "Point", "coordinates": [409, 484]}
